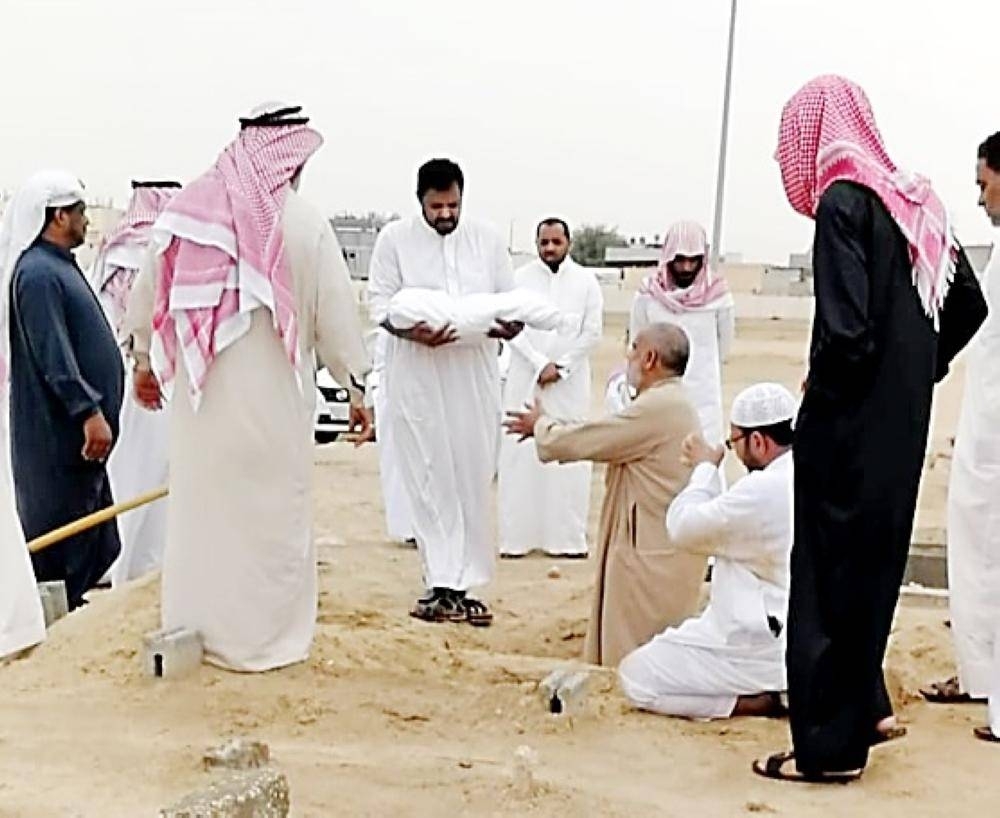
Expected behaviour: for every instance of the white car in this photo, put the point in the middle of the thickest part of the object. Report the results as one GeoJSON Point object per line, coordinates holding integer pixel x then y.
{"type": "Point", "coordinates": [333, 404]}
{"type": "Point", "coordinates": [333, 401]}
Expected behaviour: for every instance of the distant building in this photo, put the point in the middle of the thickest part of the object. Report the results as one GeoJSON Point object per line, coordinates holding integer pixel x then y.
{"type": "Point", "coordinates": [786, 281]}
{"type": "Point", "coordinates": [635, 255]}
{"type": "Point", "coordinates": [648, 255]}
{"type": "Point", "coordinates": [356, 235]}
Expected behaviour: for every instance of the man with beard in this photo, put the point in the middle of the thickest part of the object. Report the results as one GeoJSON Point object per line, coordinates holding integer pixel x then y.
{"type": "Point", "coordinates": [973, 539]}
{"type": "Point", "coordinates": [730, 660]}
{"type": "Point", "coordinates": [644, 583]}
{"type": "Point", "coordinates": [67, 382]}
{"type": "Point", "coordinates": [443, 394]}
{"type": "Point", "coordinates": [687, 291]}
{"type": "Point", "coordinates": [545, 506]}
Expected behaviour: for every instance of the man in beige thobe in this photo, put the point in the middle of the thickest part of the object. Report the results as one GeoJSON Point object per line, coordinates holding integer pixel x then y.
{"type": "Point", "coordinates": [643, 583]}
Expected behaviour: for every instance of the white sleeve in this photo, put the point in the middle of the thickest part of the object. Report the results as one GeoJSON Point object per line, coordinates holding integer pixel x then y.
{"type": "Point", "coordinates": [338, 336]}
{"type": "Point", "coordinates": [726, 328]}
{"type": "Point", "coordinates": [503, 270]}
{"type": "Point", "coordinates": [637, 318]}
{"type": "Point", "coordinates": [385, 278]}
{"type": "Point", "coordinates": [590, 332]}
{"type": "Point", "coordinates": [704, 520]}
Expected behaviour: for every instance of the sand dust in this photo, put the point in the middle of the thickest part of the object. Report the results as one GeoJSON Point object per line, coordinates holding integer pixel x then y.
{"type": "Point", "coordinates": [394, 717]}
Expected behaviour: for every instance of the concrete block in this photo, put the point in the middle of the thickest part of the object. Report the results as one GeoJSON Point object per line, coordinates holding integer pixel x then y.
{"type": "Point", "coordinates": [564, 690]}
{"type": "Point", "coordinates": [55, 604]}
{"type": "Point", "coordinates": [170, 653]}
{"type": "Point", "coordinates": [237, 754]}
{"type": "Point", "coordinates": [251, 794]}
{"type": "Point", "coordinates": [523, 771]}
{"type": "Point", "coordinates": [916, 596]}
{"type": "Point", "coordinates": [927, 564]}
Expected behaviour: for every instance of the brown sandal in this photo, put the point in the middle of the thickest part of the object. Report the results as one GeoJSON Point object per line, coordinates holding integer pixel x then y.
{"type": "Point", "coordinates": [948, 692]}
{"type": "Point", "coordinates": [897, 731]}
{"type": "Point", "coordinates": [476, 612]}
{"type": "Point", "coordinates": [773, 768]}
{"type": "Point", "coordinates": [986, 734]}
{"type": "Point", "coordinates": [438, 608]}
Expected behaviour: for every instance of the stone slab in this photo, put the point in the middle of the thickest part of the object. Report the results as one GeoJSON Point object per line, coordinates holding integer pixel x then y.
{"type": "Point", "coordinates": [171, 653]}
{"type": "Point", "coordinates": [237, 754]}
{"type": "Point", "coordinates": [259, 793]}
{"type": "Point", "coordinates": [55, 604]}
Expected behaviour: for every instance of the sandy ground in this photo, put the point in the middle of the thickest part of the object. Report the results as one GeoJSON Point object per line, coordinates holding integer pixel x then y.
{"type": "Point", "coordinates": [394, 717]}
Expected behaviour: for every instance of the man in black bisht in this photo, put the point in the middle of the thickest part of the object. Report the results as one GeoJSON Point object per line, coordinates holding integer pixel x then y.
{"type": "Point", "coordinates": [896, 299]}
{"type": "Point", "coordinates": [66, 383]}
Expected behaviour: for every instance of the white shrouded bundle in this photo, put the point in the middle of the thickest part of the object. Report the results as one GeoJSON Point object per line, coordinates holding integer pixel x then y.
{"type": "Point", "coordinates": [475, 314]}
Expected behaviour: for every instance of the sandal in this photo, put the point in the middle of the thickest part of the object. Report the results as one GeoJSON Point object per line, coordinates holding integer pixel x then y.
{"type": "Point", "coordinates": [888, 734]}
{"type": "Point", "coordinates": [986, 734]}
{"type": "Point", "coordinates": [948, 692]}
{"type": "Point", "coordinates": [438, 607]}
{"type": "Point", "coordinates": [773, 768]}
{"type": "Point", "coordinates": [476, 612]}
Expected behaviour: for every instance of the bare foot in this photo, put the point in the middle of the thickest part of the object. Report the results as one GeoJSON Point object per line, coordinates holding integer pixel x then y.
{"type": "Point", "coordinates": [761, 705]}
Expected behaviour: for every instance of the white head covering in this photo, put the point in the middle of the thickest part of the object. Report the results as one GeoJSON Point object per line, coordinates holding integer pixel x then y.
{"type": "Point", "coordinates": [763, 404]}
{"type": "Point", "coordinates": [25, 214]}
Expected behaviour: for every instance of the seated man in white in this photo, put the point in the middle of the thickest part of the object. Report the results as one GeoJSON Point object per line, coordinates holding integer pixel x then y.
{"type": "Point", "coordinates": [729, 661]}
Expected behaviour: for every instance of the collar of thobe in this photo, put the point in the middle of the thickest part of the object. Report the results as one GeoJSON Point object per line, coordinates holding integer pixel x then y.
{"type": "Point", "coordinates": [434, 233]}
{"type": "Point", "coordinates": [56, 250]}
{"type": "Point", "coordinates": [780, 460]}
{"type": "Point", "coordinates": [673, 379]}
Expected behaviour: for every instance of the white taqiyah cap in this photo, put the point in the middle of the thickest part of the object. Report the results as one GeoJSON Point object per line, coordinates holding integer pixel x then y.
{"type": "Point", "coordinates": [762, 404]}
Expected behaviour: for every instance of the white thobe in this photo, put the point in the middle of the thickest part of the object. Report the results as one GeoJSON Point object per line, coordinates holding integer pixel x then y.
{"type": "Point", "coordinates": [974, 510]}
{"type": "Point", "coordinates": [139, 461]}
{"type": "Point", "coordinates": [240, 562]}
{"type": "Point", "coordinates": [700, 668]}
{"type": "Point", "coordinates": [444, 402]}
{"type": "Point", "coordinates": [545, 506]}
{"type": "Point", "coordinates": [394, 499]}
{"type": "Point", "coordinates": [710, 333]}
{"type": "Point", "coordinates": [22, 623]}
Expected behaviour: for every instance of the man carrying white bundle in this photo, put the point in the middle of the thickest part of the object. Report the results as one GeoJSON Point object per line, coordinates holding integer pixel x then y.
{"type": "Point", "coordinates": [475, 315]}
{"type": "Point", "coordinates": [443, 398]}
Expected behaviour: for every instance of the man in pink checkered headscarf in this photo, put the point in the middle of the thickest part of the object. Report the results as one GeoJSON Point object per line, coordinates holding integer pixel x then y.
{"type": "Point", "coordinates": [687, 291]}
{"type": "Point", "coordinates": [139, 462]}
{"type": "Point", "coordinates": [243, 287]}
{"type": "Point", "coordinates": [895, 301]}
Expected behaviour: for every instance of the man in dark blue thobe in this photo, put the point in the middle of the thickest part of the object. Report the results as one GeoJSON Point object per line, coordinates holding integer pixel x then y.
{"type": "Point", "coordinates": [66, 393]}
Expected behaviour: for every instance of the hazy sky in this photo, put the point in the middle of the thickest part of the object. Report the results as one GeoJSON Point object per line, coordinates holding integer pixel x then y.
{"type": "Point", "coordinates": [599, 112]}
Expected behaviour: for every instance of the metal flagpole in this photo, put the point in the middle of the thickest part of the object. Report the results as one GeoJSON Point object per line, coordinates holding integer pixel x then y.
{"type": "Point", "coordinates": [720, 186]}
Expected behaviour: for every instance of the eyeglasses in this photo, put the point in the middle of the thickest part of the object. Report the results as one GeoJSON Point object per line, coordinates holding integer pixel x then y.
{"type": "Point", "coordinates": [733, 441]}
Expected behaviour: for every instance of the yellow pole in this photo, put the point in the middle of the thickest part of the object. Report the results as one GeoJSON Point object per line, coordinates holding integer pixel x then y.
{"type": "Point", "coordinates": [96, 518]}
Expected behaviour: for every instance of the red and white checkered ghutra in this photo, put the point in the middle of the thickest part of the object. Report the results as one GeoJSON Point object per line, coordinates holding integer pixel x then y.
{"type": "Point", "coordinates": [828, 134]}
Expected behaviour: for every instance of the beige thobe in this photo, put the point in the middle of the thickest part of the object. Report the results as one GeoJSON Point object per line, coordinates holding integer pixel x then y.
{"type": "Point", "coordinates": [643, 583]}
{"type": "Point", "coordinates": [240, 565]}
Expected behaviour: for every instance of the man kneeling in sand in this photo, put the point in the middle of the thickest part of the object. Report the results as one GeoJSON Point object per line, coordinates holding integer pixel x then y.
{"type": "Point", "coordinates": [730, 660]}
{"type": "Point", "coordinates": [644, 583]}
